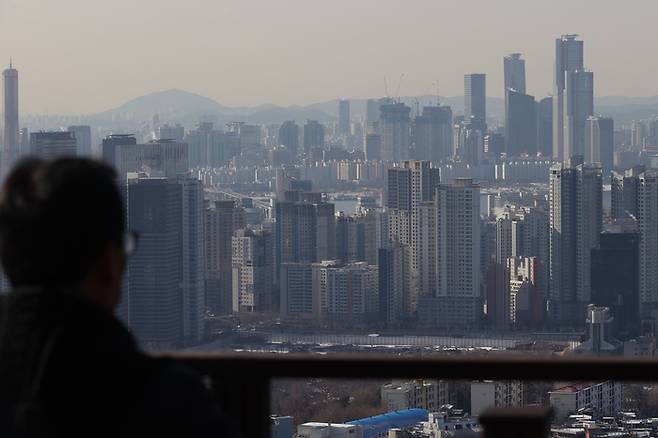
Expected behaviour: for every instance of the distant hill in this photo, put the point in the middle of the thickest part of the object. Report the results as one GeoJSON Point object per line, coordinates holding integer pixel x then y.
{"type": "Point", "coordinates": [179, 106]}
{"type": "Point", "coordinates": [188, 108]}
{"type": "Point", "coordinates": [169, 104]}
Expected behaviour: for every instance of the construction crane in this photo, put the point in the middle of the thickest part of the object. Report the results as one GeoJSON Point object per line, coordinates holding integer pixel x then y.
{"type": "Point", "coordinates": [397, 91]}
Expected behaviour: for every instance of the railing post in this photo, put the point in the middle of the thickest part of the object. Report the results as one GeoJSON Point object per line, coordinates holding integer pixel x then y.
{"type": "Point", "coordinates": [246, 402]}
{"type": "Point", "coordinates": [527, 422]}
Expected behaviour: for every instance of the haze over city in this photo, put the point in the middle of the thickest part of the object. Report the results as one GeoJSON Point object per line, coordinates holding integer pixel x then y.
{"type": "Point", "coordinates": [89, 56]}
{"type": "Point", "coordinates": [357, 219]}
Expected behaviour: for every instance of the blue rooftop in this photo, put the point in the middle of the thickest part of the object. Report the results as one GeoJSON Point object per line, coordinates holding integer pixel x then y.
{"type": "Point", "coordinates": [373, 426]}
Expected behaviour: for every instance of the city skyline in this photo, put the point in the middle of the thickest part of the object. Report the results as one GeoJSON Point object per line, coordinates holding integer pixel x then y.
{"type": "Point", "coordinates": [233, 63]}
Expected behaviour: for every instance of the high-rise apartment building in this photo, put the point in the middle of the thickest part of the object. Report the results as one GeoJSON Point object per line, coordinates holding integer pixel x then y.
{"type": "Point", "coordinates": [346, 294]}
{"type": "Point", "coordinates": [624, 190]}
{"type": "Point", "coordinates": [615, 279]}
{"type": "Point", "coordinates": [82, 134]}
{"type": "Point", "coordinates": [373, 145]}
{"type": "Point", "coordinates": [545, 127]}
{"type": "Point", "coordinates": [110, 143]}
{"type": "Point", "coordinates": [647, 217]}
{"type": "Point", "coordinates": [165, 296]}
{"type": "Point", "coordinates": [457, 301]}
{"type": "Point", "coordinates": [578, 106]}
{"type": "Point", "coordinates": [289, 136]}
{"type": "Point", "coordinates": [296, 290]}
{"type": "Point", "coordinates": [221, 220]}
{"type": "Point", "coordinates": [165, 157]}
{"type": "Point", "coordinates": [171, 132]}
{"type": "Point", "coordinates": [394, 126]}
{"type": "Point", "coordinates": [305, 230]}
{"type": "Point", "coordinates": [313, 135]}
{"type": "Point", "coordinates": [344, 123]}
{"type": "Point", "coordinates": [412, 221]}
{"type": "Point", "coordinates": [568, 58]}
{"type": "Point", "coordinates": [11, 127]}
{"type": "Point", "coordinates": [514, 73]}
{"type": "Point", "coordinates": [356, 238]}
{"type": "Point", "coordinates": [432, 134]}
{"type": "Point", "coordinates": [475, 101]}
{"type": "Point", "coordinates": [53, 144]}
{"type": "Point", "coordinates": [599, 142]}
{"type": "Point", "coordinates": [253, 271]}
{"type": "Point", "coordinates": [635, 199]}
{"type": "Point", "coordinates": [520, 124]}
{"type": "Point", "coordinates": [392, 283]}
{"type": "Point", "coordinates": [575, 198]}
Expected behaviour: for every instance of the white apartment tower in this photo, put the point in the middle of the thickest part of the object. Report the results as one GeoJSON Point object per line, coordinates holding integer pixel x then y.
{"type": "Point", "coordinates": [457, 300]}
{"type": "Point", "coordinates": [575, 197]}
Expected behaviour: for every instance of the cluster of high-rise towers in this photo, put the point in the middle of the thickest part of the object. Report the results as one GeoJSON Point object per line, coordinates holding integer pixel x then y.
{"type": "Point", "coordinates": [428, 256]}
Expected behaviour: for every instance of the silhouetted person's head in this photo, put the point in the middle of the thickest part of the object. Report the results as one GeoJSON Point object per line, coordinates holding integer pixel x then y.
{"type": "Point", "coordinates": [62, 225]}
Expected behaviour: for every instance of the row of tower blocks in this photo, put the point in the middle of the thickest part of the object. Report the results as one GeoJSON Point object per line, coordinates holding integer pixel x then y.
{"type": "Point", "coordinates": [428, 258]}
{"type": "Point", "coordinates": [559, 126]}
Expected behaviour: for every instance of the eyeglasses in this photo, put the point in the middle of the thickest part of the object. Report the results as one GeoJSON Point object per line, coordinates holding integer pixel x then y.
{"type": "Point", "coordinates": [130, 240]}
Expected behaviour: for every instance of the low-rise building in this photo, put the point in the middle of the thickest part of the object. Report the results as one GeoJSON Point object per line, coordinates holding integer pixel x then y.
{"type": "Point", "coordinates": [602, 398]}
{"type": "Point", "coordinates": [423, 394]}
{"type": "Point", "coordinates": [489, 393]}
{"type": "Point", "coordinates": [328, 430]}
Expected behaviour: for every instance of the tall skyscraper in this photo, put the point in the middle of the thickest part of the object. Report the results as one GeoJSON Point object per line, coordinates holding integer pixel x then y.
{"type": "Point", "coordinates": [520, 124]}
{"type": "Point", "coordinates": [615, 279]}
{"type": "Point", "coordinates": [568, 58]}
{"type": "Point", "coordinates": [82, 134]}
{"type": "Point", "coordinates": [221, 220]}
{"type": "Point", "coordinates": [171, 132]}
{"type": "Point", "coordinates": [166, 157]}
{"type": "Point", "coordinates": [635, 197]}
{"type": "Point", "coordinates": [575, 198]}
{"type": "Point", "coordinates": [394, 126]}
{"type": "Point", "coordinates": [372, 111]}
{"type": "Point", "coordinates": [514, 71]}
{"type": "Point", "coordinates": [475, 101]}
{"type": "Point", "coordinates": [432, 134]}
{"type": "Point", "coordinates": [457, 301]}
{"type": "Point", "coordinates": [305, 230]}
{"type": "Point", "coordinates": [313, 135]}
{"type": "Point", "coordinates": [578, 106]}
{"type": "Point", "coordinates": [599, 142]}
{"type": "Point", "coordinates": [647, 217]}
{"type": "Point", "coordinates": [53, 144]}
{"type": "Point", "coordinates": [545, 127]}
{"type": "Point", "coordinates": [289, 136]}
{"type": "Point", "coordinates": [344, 124]}
{"type": "Point", "coordinates": [392, 284]}
{"type": "Point", "coordinates": [165, 297]}
{"type": "Point", "coordinates": [11, 128]}
{"type": "Point", "coordinates": [110, 143]}
{"type": "Point", "coordinates": [409, 197]}
{"type": "Point", "coordinates": [373, 144]}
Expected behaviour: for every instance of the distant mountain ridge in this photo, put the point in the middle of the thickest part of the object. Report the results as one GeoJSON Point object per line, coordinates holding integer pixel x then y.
{"type": "Point", "coordinates": [179, 106]}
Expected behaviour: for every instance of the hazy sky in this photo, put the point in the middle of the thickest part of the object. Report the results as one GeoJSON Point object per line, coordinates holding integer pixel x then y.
{"type": "Point", "coordinates": [84, 56]}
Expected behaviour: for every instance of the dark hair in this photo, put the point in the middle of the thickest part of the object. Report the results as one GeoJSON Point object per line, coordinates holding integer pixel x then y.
{"type": "Point", "coordinates": [56, 217]}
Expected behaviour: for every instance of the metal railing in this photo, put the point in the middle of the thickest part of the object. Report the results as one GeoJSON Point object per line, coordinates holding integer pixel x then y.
{"type": "Point", "coordinates": [242, 381]}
